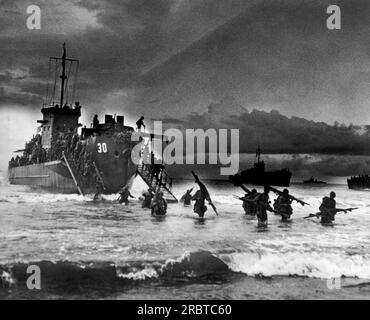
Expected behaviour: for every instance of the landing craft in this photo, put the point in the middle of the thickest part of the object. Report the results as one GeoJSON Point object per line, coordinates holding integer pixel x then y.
{"type": "Point", "coordinates": [258, 176]}
{"type": "Point", "coordinates": [60, 160]}
{"type": "Point", "coordinates": [361, 182]}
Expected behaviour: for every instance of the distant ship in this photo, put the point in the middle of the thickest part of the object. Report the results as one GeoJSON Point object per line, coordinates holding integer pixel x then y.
{"type": "Point", "coordinates": [60, 160]}
{"type": "Point", "coordinates": [312, 180]}
{"type": "Point", "coordinates": [258, 176]}
{"type": "Point", "coordinates": [359, 182]}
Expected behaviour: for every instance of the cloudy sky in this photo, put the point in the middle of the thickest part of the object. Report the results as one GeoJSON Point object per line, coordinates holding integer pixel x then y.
{"type": "Point", "coordinates": [176, 57]}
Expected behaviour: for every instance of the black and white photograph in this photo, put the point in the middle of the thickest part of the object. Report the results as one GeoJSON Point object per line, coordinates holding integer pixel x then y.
{"type": "Point", "coordinates": [184, 150]}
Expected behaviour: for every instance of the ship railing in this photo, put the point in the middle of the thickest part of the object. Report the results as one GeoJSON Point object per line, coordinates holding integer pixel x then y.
{"type": "Point", "coordinates": [160, 180]}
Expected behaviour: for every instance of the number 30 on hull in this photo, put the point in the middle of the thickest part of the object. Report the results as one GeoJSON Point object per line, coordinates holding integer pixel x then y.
{"type": "Point", "coordinates": [102, 147]}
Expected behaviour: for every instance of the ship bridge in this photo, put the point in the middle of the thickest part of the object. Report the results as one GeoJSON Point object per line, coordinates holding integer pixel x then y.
{"type": "Point", "coordinates": [56, 121]}
{"type": "Point", "coordinates": [59, 116]}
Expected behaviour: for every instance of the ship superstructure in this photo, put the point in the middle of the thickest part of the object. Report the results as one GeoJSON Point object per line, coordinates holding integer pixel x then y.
{"type": "Point", "coordinates": [98, 159]}
{"type": "Point", "coordinates": [258, 176]}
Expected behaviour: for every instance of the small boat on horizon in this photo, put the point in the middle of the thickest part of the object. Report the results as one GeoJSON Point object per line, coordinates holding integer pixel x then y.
{"type": "Point", "coordinates": [312, 180]}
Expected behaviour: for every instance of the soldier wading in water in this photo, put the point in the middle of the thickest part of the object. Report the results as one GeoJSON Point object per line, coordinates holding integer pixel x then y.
{"type": "Point", "coordinates": [262, 202]}
{"type": "Point", "coordinates": [124, 194]}
{"type": "Point", "coordinates": [99, 185]}
{"type": "Point", "coordinates": [187, 197]}
{"type": "Point", "coordinates": [328, 209]}
{"type": "Point", "coordinates": [148, 196]}
{"type": "Point", "coordinates": [249, 207]}
{"type": "Point", "coordinates": [200, 196]}
{"type": "Point", "coordinates": [283, 206]}
{"type": "Point", "coordinates": [159, 205]}
{"type": "Point", "coordinates": [199, 206]}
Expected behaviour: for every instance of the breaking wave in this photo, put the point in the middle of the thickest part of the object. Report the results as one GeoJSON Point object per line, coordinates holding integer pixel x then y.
{"type": "Point", "coordinates": [50, 198]}
{"type": "Point", "coordinates": [3, 179]}
{"type": "Point", "coordinates": [305, 264]}
{"type": "Point", "coordinates": [64, 273]}
{"type": "Point", "coordinates": [194, 266]}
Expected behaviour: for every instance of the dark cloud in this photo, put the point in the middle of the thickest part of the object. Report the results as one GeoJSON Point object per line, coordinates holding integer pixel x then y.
{"type": "Point", "coordinates": [277, 133]}
{"type": "Point", "coordinates": [275, 55]}
{"type": "Point", "coordinates": [302, 166]}
{"type": "Point", "coordinates": [184, 54]}
{"type": "Point", "coordinates": [18, 98]}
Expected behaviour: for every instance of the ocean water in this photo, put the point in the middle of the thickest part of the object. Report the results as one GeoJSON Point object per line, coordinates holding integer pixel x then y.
{"type": "Point", "coordinates": [104, 250]}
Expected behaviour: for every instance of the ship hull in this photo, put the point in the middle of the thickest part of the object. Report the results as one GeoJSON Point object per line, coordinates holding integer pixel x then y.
{"type": "Point", "coordinates": [110, 154]}
{"type": "Point", "coordinates": [359, 183]}
{"type": "Point", "coordinates": [315, 183]}
{"type": "Point", "coordinates": [272, 178]}
{"type": "Point", "coordinates": [42, 176]}
{"type": "Point", "coordinates": [55, 177]}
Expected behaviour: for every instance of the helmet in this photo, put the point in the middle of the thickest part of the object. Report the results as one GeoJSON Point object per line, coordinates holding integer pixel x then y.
{"type": "Point", "coordinates": [332, 194]}
{"type": "Point", "coordinates": [254, 191]}
{"type": "Point", "coordinates": [286, 191]}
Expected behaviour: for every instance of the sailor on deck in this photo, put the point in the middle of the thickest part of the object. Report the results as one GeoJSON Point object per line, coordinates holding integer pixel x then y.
{"type": "Point", "coordinates": [95, 122]}
{"type": "Point", "coordinates": [140, 123]}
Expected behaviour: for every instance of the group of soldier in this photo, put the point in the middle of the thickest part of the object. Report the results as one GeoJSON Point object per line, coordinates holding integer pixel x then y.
{"type": "Point", "coordinates": [33, 153]}
{"type": "Point", "coordinates": [255, 204]}
{"type": "Point", "coordinates": [258, 204]}
{"type": "Point", "coordinates": [152, 199]}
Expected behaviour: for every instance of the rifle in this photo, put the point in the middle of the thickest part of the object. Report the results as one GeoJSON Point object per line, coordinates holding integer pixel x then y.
{"type": "Point", "coordinates": [290, 196]}
{"type": "Point", "coordinates": [203, 189]}
{"type": "Point", "coordinates": [244, 188]}
{"type": "Point", "coordinates": [267, 207]}
{"type": "Point", "coordinates": [319, 214]}
{"type": "Point", "coordinates": [262, 205]}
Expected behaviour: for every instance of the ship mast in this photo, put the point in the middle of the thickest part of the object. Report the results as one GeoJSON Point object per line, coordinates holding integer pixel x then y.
{"type": "Point", "coordinates": [258, 154]}
{"type": "Point", "coordinates": [63, 76]}
{"type": "Point", "coordinates": [67, 68]}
